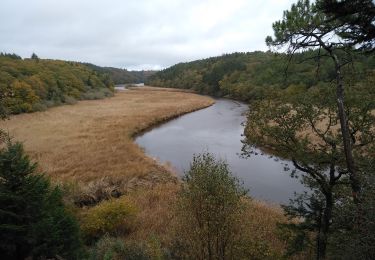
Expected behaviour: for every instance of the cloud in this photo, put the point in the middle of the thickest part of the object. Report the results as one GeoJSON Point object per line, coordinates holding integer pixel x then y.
{"type": "Point", "coordinates": [136, 34]}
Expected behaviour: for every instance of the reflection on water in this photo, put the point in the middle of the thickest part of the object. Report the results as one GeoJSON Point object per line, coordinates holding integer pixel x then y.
{"type": "Point", "coordinates": [218, 130]}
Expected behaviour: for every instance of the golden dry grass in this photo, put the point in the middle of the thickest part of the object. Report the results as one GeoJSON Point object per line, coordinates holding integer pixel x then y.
{"type": "Point", "coordinates": [93, 140]}
{"type": "Point", "coordinates": [156, 211]}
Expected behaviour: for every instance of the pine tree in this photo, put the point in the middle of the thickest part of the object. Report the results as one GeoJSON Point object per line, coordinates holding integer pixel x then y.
{"type": "Point", "coordinates": [33, 220]}
{"type": "Point", "coordinates": [34, 56]}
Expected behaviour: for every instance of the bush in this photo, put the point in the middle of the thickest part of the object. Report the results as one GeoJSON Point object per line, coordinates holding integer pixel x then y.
{"type": "Point", "coordinates": [93, 192]}
{"type": "Point", "coordinates": [69, 100]}
{"type": "Point", "coordinates": [39, 107]}
{"type": "Point", "coordinates": [209, 211]}
{"type": "Point", "coordinates": [115, 248]}
{"type": "Point", "coordinates": [34, 222]}
{"type": "Point", "coordinates": [113, 217]}
{"type": "Point", "coordinates": [50, 103]}
{"type": "Point", "coordinates": [107, 92]}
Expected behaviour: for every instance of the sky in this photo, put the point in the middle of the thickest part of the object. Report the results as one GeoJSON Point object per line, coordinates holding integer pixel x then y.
{"type": "Point", "coordinates": [136, 34]}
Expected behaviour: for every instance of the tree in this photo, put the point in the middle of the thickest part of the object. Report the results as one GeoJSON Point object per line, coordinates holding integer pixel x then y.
{"type": "Point", "coordinates": [34, 221]}
{"type": "Point", "coordinates": [305, 26]}
{"type": "Point", "coordinates": [27, 86]}
{"type": "Point", "coordinates": [304, 128]}
{"type": "Point", "coordinates": [3, 108]}
{"type": "Point", "coordinates": [34, 57]}
{"type": "Point", "coordinates": [349, 240]}
{"type": "Point", "coordinates": [10, 55]}
{"type": "Point", "coordinates": [210, 206]}
{"type": "Point", "coordinates": [355, 19]}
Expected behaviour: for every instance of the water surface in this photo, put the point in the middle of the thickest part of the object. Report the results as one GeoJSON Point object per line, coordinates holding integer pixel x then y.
{"type": "Point", "coordinates": [218, 129]}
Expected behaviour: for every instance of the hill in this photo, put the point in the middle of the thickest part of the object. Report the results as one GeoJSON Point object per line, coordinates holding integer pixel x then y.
{"type": "Point", "coordinates": [28, 85]}
{"type": "Point", "coordinates": [122, 76]}
{"type": "Point", "coordinates": [249, 76]}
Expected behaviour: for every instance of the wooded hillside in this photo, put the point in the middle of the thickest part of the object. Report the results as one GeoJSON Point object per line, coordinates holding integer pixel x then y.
{"type": "Point", "coordinates": [34, 84]}
{"type": "Point", "coordinates": [248, 76]}
{"type": "Point", "coordinates": [122, 76]}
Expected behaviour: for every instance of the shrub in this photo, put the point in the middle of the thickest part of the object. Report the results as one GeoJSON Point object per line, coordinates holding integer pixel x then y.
{"type": "Point", "coordinates": [115, 248]}
{"type": "Point", "coordinates": [69, 100]}
{"type": "Point", "coordinates": [50, 103]}
{"type": "Point", "coordinates": [39, 107]}
{"type": "Point", "coordinates": [22, 98]}
{"type": "Point", "coordinates": [210, 207]}
{"type": "Point", "coordinates": [93, 192]}
{"type": "Point", "coordinates": [107, 92]}
{"type": "Point", "coordinates": [114, 217]}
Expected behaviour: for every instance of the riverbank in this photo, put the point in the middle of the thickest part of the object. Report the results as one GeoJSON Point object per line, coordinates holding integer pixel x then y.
{"type": "Point", "coordinates": [91, 142]}
{"type": "Point", "coordinates": [218, 129]}
{"type": "Point", "coordinates": [89, 148]}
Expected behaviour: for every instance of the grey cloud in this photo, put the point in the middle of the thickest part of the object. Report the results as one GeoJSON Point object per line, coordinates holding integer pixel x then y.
{"type": "Point", "coordinates": [137, 34]}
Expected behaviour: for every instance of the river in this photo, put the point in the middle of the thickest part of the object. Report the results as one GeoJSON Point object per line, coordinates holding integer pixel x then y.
{"type": "Point", "coordinates": [218, 129]}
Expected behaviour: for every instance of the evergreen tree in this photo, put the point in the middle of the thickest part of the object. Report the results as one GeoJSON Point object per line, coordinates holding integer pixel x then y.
{"type": "Point", "coordinates": [355, 20]}
{"type": "Point", "coordinates": [33, 220]}
{"type": "Point", "coordinates": [34, 56]}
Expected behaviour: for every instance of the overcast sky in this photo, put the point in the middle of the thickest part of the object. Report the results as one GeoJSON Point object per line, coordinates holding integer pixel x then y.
{"type": "Point", "coordinates": [136, 34]}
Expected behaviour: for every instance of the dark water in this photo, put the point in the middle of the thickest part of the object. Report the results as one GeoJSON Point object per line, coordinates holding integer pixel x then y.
{"type": "Point", "coordinates": [218, 130]}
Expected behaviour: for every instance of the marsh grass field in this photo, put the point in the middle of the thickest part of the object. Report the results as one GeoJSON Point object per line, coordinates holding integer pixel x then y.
{"type": "Point", "coordinates": [92, 141]}
{"type": "Point", "coordinates": [88, 148]}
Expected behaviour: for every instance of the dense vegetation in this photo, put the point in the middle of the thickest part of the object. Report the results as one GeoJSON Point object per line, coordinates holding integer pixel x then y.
{"type": "Point", "coordinates": [313, 104]}
{"type": "Point", "coordinates": [34, 84]}
{"type": "Point", "coordinates": [122, 76]}
{"type": "Point", "coordinates": [327, 130]}
{"type": "Point", "coordinates": [249, 76]}
{"type": "Point", "coordinates": [34, 221]}
{"type": "Point", "coordinates": [210, 207]}
{"type": "Point", "coordinates": [208, 216]}
{"type": "Point", "coordinates": [304, 127]}
{"type": "Point", "coordinates": [300, 113]}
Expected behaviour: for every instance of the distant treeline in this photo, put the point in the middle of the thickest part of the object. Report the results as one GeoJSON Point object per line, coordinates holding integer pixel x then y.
{"type": "Point", "coordinates": [122, 76]}
{"type": "Point", "coordinates": [249, 76]}
{"type": "Point", "coordinates": [34, 84]}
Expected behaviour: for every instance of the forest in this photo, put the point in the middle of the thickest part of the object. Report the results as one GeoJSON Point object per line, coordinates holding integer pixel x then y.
{"type": "Point", "coordinates": [250, 76]}
{"type": "Point", "coordinates": [34, 84]}
{"type": "Point", "coordinates": [122, 76]}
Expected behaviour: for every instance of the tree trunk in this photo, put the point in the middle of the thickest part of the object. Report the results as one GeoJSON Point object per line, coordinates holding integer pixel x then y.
{"type": "Point", "coordinates": [324, 227]}
{"type": "Point", "coordinates": [354, 179]}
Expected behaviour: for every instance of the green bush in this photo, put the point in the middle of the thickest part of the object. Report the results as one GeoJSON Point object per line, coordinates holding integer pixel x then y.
{"type": "Point", "coordinates": [114, 217]}
{"type": "Point", "coordinates": [39, 107]}
{"type": "Point", "coordinates": [111, 248]}
{"type": "Point", "coordinates": [209, 211]}
{"type": "Point", "coordinates": [69, 100]}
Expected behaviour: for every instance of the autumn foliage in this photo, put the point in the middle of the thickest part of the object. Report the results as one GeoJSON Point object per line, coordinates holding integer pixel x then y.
{"type": "Point", "coordinates": [28, 85]}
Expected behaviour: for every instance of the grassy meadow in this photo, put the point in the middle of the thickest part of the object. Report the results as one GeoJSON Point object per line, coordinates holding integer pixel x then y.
{"type": "Point", "coordinates": [92, 142]}
{"type": "Point", "coordinates": [88, 148]}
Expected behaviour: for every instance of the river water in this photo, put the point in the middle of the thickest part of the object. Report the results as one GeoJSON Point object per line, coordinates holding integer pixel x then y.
{"type": "Point", "coordinates": [218, 129]}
